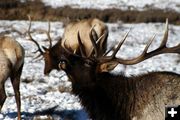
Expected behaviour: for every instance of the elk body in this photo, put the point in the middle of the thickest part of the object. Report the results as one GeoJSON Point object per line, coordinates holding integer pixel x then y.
{"type": "Point", "coordinates": [106, 96]}
{"type": "Point", "coordinates": [11, 64]}
{"type": "Point", "coordinates": [70, 35]}
{"type": "Point", "coordinates": [70, 40]}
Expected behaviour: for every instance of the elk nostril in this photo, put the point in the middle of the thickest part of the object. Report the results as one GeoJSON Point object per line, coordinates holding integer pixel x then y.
{"type": "Point", "coordinates": [59, 65]}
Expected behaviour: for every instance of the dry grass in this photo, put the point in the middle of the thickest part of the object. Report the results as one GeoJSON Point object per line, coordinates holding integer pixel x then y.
{"type": "Point", "coordinates": [19, 11]}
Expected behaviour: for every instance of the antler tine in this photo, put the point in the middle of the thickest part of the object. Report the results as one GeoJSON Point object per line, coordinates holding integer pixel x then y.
{"type": "Point", "coordinates": [119, 45]}
{"type": "Point", "coordinates": [165, 38]}
{"type": "Point", "coordinates": [48, 34]}
{"type": "Point", "coordinates": [160, 50]}
{"type": "Point", "coordinates": [107, 52]}
{"type": "Point", "coordinates": [147, 46]}
{"type": "Point", "coordinates": [37, 57]}
{"type": "Point", "coordinates": [82, 50]}
{"type": "Point", "coordinates": [97, 42]}
{"type": "Point", "coordinates": [93, 41]}
{"type": "Point", "coordinates": [95, 36]}
{"type": "Point", "coordinates": [31, 39]}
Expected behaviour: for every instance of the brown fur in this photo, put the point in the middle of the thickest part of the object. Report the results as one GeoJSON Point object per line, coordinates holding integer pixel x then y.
{"type": "Point", "coordinates": [106, 96]}
{"type": "Point", "coordinates": [11, 62]}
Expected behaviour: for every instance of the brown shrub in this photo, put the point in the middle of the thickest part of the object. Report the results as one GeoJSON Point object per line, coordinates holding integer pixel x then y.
{"type": "Point", "coordinates": [18, 11]}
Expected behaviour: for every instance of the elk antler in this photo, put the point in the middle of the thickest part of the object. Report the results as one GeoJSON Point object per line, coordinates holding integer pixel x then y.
{"type": "Point", "coordinates": [48, 34]}
{"type": "Point", "coordinates": [95, 41]}
{"type": "Point", "coordinates": [160, 50]}
{"type": "Point", "coordinates": [31, 39]}
{"type": "Point", "coordinates": [81, 47]}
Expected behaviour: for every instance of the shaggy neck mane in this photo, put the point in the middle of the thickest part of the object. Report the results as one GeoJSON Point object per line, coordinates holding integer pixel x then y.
{"type": "Point", "coordinates": [102, 98]}
{"type": "Point", "coordinates": [116, 97]}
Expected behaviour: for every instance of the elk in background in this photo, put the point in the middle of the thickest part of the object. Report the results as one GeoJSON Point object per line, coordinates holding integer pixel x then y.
{"type": "Point", "coordinates": [52, 53]}
{"type": "Point", "coordinates": [11, 64]}
{"type": "Point", "coordinates": [83, 27]}
{"type": "Point", "coordinates": [106, 96]}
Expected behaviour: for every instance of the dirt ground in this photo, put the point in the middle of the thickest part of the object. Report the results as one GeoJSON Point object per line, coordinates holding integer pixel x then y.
{"type": "Point", "coordinates": [14, 10]}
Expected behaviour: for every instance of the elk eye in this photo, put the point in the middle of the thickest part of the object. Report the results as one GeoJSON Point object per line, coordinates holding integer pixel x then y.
{"type": "Point", "coordinates": [88, 63]}
{"type": "Point", "coordinates": [62, 64]}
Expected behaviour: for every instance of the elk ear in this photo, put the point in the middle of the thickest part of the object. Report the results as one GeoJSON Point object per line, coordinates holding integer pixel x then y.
{"type": "Point", "coordinates": [105, 67]}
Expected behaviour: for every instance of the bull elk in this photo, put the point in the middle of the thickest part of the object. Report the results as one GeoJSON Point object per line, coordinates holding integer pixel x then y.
{"type": "Point", "coordinates": [106, 96]}
{"type": "Point", "coordinates": [52, 53]}
{"type": "Point", "coordinates": [11, 63]}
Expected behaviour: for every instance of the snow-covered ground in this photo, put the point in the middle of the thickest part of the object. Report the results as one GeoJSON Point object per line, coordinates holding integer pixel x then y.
{"type": "Point", "coordinates": [120, 4]}
{"type": "Point", "coordinates": [41, 94]}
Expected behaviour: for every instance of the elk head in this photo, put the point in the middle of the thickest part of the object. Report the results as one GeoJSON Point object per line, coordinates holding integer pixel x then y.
{"type": "Point", "coordinates": [85, 68]}
{"type": "Point", "coordinates": [49, 54]}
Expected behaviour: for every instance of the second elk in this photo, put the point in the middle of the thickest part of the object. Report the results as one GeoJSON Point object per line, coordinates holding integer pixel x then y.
{"type": "Point", "coordinates": [106, 96]}
{"type": "Point", "coordinates": [52, 53]}
{"type": "Point", "coordinates": [11, 64]}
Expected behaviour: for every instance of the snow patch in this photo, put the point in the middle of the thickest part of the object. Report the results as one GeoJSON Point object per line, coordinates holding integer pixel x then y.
{"type": "Point", "coordinates": [119, 4]}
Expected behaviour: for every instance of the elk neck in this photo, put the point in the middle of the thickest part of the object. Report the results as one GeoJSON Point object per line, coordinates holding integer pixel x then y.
{"type": "Point", "coordinates": [108, 92]}
{"type": "Point", "coordinates": [122, 97]}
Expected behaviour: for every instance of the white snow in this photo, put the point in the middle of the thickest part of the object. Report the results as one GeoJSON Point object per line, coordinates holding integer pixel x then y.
{"type": "Point", "coordinates": [40, 93]}
{"type": "Point", "coordinates": [119, 4]}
